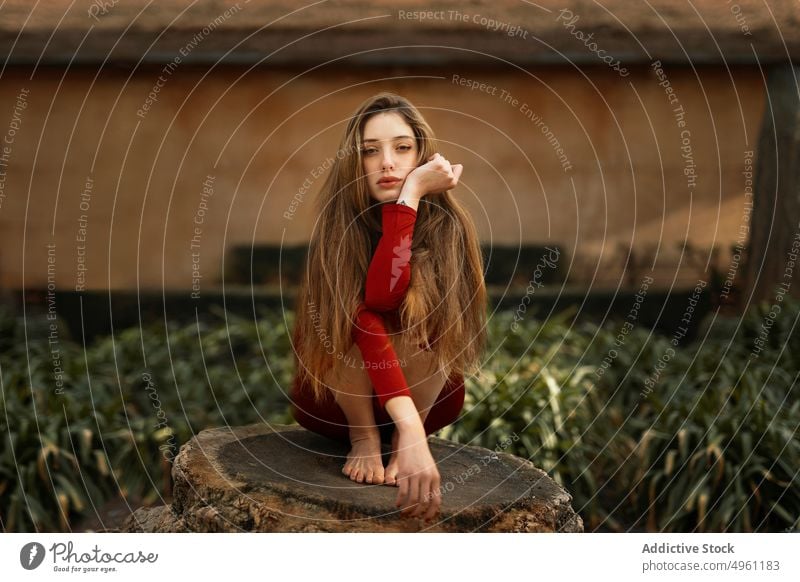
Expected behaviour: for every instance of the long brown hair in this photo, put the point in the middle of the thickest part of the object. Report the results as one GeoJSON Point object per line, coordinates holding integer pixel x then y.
{"type": "Point", "coordinates": [446, 297]}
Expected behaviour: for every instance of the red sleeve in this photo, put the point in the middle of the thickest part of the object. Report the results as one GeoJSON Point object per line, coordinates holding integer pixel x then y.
{"type": "Point", "coordinates": [380, 358]}
{"type": "Point", "coordinates": [390, 270]}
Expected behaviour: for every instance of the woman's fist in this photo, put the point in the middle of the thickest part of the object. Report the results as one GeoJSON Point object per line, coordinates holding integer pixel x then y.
{"type": "Point", "coordinates": [435, 176]}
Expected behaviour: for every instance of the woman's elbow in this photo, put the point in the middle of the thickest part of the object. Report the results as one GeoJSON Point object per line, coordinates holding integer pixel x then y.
{"type": "Point", "coordinates": [382, 301]}
{"type": "Point", "coordinates": [387, 296]}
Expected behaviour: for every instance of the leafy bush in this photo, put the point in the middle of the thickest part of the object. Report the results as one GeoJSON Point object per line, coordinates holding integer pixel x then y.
{"type": "Point", "coordinates": [710, 443]}
{"type": "Point", "coordinates": [115, 429]}
{"type": "Point", "coordinates": [713, 446]}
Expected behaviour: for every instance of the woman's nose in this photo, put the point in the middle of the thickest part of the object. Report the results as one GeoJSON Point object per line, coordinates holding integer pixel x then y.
{"type": "Point", "coordinates": [388, 161]}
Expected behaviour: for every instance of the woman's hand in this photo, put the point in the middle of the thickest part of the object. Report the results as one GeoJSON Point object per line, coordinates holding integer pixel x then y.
{"type": "Point", "coordinates": [417, 476]}
{"type": "Point", "coordinates": [435, 176]}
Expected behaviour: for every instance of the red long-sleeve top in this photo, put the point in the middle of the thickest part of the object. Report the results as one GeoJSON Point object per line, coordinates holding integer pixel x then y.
{"type": "Point", "coordinates": [387, 281]}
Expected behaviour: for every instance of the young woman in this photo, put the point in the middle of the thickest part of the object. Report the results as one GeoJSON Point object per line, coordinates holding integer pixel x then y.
{"type": "Point", "coordinates": [391, 312]}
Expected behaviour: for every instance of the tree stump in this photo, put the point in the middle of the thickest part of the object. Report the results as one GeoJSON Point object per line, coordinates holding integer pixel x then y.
{"type": "Point", "coordinates": [286, 479]}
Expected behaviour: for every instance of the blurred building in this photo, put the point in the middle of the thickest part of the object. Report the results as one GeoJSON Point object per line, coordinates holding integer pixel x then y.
{"type": "Point", "coordinates": [148, 140]}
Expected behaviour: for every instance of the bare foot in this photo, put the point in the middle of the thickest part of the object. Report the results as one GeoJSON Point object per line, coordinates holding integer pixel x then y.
{"type": "Point", "coordinates": [364, 459]}
{"type": "Point", "coordinates": [391, 468]}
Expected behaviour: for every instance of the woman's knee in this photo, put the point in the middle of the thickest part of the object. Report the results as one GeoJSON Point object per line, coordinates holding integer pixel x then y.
{"type": "Point", "coordinates": [322, 417]}
{"type": "Point", "coordinates": [349, 375]}
{"type": "Point", "coordinates": [419, 366]}
{"type": "Point", "coordinates": [448, 406]}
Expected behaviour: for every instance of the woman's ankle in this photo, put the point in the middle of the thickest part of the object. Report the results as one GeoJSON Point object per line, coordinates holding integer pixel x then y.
{"type": "Point", "coordinates": [364, 433]}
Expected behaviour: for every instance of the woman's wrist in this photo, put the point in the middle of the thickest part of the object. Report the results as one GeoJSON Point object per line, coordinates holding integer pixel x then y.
{"type": "Point", "coordinates": [405, 416]}
{"type": "Point", "coordinates": [410, 194]}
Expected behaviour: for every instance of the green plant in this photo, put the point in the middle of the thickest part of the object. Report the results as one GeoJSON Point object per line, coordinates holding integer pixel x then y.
{"type": "Point", "coordinates": [712, 446]}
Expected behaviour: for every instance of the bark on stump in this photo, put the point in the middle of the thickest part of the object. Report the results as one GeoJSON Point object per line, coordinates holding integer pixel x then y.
{"type": "Point", "coordinates": [286, 479]}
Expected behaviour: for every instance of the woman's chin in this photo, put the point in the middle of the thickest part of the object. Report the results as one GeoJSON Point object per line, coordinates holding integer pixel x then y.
{"type": "Point", "coordinates": [386, 196]}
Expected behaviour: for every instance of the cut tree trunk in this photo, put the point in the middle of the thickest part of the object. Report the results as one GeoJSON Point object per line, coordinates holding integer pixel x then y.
{"type": "Point", "coordinates": [286, 479]}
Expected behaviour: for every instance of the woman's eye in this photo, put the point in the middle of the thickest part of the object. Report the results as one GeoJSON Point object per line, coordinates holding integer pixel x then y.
{"type": "Point", "coordinates": [370, 151]}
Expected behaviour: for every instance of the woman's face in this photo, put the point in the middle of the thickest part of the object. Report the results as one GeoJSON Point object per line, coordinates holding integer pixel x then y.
{"type": "Point", "coordinates": [390, 151]}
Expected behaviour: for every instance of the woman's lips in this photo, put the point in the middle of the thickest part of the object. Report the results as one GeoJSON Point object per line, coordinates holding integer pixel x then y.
{"type": "Point", "coordinates": [389, 184]}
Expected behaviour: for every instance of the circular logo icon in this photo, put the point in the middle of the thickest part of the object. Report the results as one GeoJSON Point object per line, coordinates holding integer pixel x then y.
{"type": "Point", "coordinates": [31, 555]}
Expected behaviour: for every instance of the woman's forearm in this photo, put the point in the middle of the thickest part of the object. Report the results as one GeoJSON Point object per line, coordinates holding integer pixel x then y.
{"type": "Point", "coordinates": [405, 416]}
{"type": "Point", "coordinates": [370, 335]}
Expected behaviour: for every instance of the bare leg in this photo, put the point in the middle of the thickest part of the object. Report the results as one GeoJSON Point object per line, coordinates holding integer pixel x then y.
{"type": "Point", "coordinates": [425, 381]}
{"type": "Point", "coordinates": [353, 392]}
